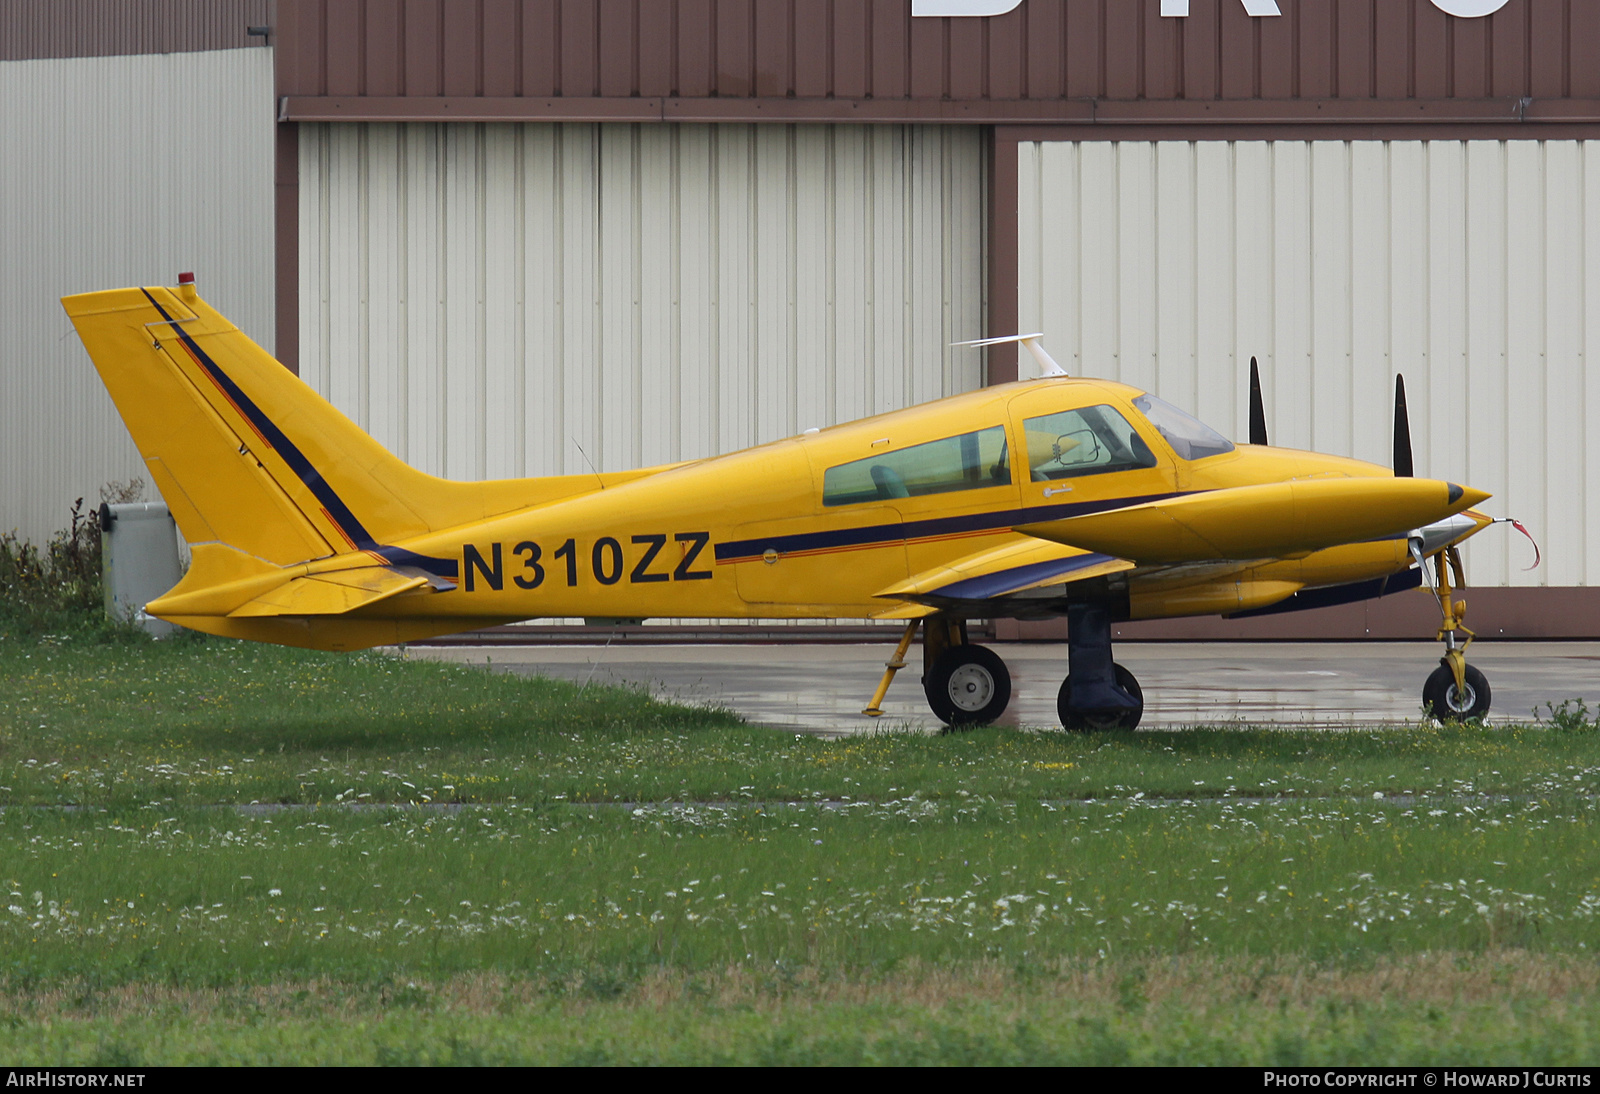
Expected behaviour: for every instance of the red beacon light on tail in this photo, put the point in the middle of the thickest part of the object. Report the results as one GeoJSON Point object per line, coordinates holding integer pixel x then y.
{"type": "Point", "coordinates": [186, 285]}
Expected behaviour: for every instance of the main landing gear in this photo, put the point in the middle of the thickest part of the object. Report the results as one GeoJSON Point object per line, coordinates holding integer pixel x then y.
{"type": "Point", "coordinates": [1098, 693]}
{"type": "Point", "coordinates": [1455, 690]}
{"type": "Point", "coordinates": [968, 685]}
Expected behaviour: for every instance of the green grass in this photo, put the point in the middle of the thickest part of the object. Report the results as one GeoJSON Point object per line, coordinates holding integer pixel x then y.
{"type": "Point", "coordinates": [196, 898]}
{"type": "Point", "coordinates": [1432, 1011]}
{"type": "Point", "coordinates": [490, 868]}
{"type": "Point", "coordinates": [203, 723]}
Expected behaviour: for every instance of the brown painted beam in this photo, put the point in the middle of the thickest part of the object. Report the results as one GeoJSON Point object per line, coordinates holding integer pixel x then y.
{"type": "Point", "coordinates": [1541, 613]}
{"type": "Point", "coordinates": [416, 108]}
{"type": "Point", "coordinates": [286, 248]}
{"type": "Point", "coordinates": [1430, 131]}
{"type": "Point", "coordinates": [1347, 111]}
{"type": "Point", "coordinates": [1000, 152]}
{"type": "Point", "coordinates": [1506, 114]}
{"type": "Point", "coordinates": [465, 108]}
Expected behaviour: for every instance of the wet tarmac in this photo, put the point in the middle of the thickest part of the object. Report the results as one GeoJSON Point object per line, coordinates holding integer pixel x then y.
{"type": "Point", "coordinates": [822, 688]}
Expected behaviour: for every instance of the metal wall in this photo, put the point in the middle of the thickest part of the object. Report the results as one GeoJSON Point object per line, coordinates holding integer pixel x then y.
{"type": "Point", "coordinates": [488, 300]}
{"type": "Point", "coordinates": [1472, 267]}
{"type": "Point", "coordinates": [117, 171]}
{"type": "Point", "coordinates": [875, 49]}
{"type": "Point", "coordinates": [33, 29]}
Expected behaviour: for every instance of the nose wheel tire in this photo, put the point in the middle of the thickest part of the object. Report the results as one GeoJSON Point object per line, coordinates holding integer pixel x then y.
{"type": "Point", "coordinates": [1442, 699]}
{"type": "Point", "coordinates": [968, 686]}
{"type": "Point", "coordinates": [1097, 719]}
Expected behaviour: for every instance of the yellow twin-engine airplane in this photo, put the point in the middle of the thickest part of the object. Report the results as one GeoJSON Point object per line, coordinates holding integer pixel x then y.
{"type": "Point", "coordinates": [1054, 496]}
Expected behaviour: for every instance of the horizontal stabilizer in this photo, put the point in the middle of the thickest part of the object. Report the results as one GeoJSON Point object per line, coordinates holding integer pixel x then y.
{"type": "Point", "coordinates": [1004, 571]}
{"type": "Point", "coordinates": [333, 593]}
{"type": "Point", "coordinates": [1265, 521]}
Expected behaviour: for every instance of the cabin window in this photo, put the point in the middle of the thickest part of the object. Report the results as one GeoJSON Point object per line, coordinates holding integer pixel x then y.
{"type": "Point", "coordinates": [1189, 437]}
{"type": "Point", "coordinates": [1086, 441]}
{"type": "Point", "coordinates": [968, 462]}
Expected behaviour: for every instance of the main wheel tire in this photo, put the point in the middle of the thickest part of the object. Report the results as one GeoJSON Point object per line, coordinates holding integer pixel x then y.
{"type": "Point", "coordinates": [1442, 699]}
{"type": "Point", "coordinates": [968, 686]}
{"type": "Point", "coordinates": [1095, 720]}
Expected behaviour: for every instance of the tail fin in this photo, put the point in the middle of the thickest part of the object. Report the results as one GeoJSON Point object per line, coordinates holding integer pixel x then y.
{"type": "Point", "coordinates": [249, 456]}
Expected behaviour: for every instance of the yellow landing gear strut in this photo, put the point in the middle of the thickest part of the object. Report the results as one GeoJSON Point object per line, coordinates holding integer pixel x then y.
{"type": "Point", "coordinates": [1455, 690]}
{"type": "Point", "coordinates": [890, 667]}
{"type": "Point", "coordinates": [1454, 613]}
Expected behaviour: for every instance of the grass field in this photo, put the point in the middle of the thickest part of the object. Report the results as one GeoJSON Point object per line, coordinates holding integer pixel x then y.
{"type": "Point", "coordinates": [220, 852]}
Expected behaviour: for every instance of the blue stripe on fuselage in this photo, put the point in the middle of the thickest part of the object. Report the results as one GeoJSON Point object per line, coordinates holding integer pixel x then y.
{"type": "Point", "coordinates": [883, 534]}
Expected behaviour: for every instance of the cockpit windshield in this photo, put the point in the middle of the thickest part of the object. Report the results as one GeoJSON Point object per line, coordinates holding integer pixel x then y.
{"type": "Point", "coordinates": [1189, 437]}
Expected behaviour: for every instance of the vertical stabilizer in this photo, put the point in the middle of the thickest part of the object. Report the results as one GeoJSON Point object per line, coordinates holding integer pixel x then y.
{"type": "Point", "coordinates": [248, 455]}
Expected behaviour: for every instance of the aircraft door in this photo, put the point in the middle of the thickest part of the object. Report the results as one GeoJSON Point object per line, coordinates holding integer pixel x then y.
{"type": "Point", "coordinates": [1079, 450]}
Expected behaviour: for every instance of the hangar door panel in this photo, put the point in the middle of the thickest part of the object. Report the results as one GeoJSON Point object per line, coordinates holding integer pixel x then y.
{"type": "Point", "coordinates": [506, 300]}
{"type": "Point", "coordinates": [1472, 267]}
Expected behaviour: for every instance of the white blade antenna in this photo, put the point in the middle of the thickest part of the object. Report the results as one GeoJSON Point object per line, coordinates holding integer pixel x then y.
{"type": "Point", "coordinates": [1035, 344]}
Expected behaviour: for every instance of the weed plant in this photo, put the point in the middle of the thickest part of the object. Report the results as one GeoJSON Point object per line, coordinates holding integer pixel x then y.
{"type": "Point", "coordinates": [1571, 716]}
{"type": "Point", "coordinates": [55, 592]}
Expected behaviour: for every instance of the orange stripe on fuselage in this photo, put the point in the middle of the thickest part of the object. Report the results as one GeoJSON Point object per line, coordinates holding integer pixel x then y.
{"type": "Point", "coordinates": [817, 551]}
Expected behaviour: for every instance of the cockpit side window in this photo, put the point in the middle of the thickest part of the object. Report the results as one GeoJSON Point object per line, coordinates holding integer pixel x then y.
{"type": "Point", "coordinates": [1189, 437]}
{"type": "Point", "coordinates": [969, 461]}
{"type": "Point", "coordinates": [1086, 441]}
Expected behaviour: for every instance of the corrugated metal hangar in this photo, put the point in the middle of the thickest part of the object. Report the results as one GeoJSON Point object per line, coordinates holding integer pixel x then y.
{"type": "Point", "coordinates": [514, 238]}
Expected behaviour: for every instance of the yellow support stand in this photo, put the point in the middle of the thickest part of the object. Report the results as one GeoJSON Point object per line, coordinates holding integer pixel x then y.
{"type": "Point", "coordinates": [891, 666]}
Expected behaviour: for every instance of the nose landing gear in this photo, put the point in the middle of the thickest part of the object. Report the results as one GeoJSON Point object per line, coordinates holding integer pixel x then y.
{"type": "Point", "coordinates": [1455, 690]}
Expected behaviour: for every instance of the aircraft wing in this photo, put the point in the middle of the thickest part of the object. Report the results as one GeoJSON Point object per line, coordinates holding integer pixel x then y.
{"type": "Point", "coordinates": [1029, 569]}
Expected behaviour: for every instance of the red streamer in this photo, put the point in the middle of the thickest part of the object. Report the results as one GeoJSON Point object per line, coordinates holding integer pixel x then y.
{"type": "Point", "coordinates": [1517, 524]}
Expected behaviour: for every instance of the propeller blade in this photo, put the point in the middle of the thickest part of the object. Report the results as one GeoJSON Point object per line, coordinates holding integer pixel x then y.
{"type": "Point", "coordinates": [1402, 431]}
{"type": "Point", "coordinates": [1258, 411]}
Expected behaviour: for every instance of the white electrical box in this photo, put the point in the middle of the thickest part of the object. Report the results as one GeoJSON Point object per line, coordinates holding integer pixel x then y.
{"type": "Point", "coordinates": [139, 561]}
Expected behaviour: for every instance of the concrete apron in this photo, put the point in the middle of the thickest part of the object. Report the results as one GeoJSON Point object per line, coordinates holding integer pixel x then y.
{"type": "Point", "coordinates": [822, 688]}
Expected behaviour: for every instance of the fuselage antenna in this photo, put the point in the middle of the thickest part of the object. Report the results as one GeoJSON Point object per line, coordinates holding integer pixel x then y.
{"type": "Point", "coordinates": [1035, 344]}
{"type": "Point", "coordinates": [588, 461]}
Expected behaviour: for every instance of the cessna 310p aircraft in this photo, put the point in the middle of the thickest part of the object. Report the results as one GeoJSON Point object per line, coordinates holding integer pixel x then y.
{"type": "Point", "coordinates": [1047, 497]}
